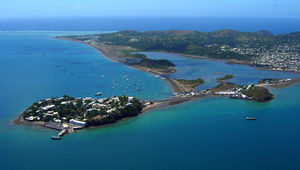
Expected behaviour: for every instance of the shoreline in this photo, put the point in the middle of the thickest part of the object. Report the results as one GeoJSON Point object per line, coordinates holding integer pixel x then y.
{"type": "Point", "coordinates": [173, 84]}
{"type": "Point", "coordinates": [159, 104]}
{"type": "Point", "coordinates": [227, 61]}
{"type": "Point", "coordinates": [281, 85]}
{"type": "Point", "coordinates": [175, 87]}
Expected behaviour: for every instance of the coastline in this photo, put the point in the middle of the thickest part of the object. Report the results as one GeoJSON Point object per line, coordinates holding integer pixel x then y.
{"type": "Point", "coordinates": [281, 85]}
{"type": "Point", "coordinates": [159, 104]}
{"type": "Point", "coordinates": [174, 85]}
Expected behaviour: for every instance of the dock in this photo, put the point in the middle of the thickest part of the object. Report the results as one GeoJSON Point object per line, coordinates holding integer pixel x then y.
{"type": "Point", "coordinates": [62, 132]}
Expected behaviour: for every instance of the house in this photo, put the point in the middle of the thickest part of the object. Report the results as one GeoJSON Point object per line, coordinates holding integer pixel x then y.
{"type": "Point", "coordinates": [65, 102]}
{"type": "Point", "coordinates": [30, 118]}
{"type": "Point", "coordinates": [99, 106]}
{"type": "Point", "coordinates": [48, 107]}
{"type": "Point", "coordinates": [130, 99]}
{"type": "Point", "coordinates": [77, 122]}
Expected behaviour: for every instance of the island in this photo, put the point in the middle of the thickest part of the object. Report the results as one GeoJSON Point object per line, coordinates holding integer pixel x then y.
{"type": "Point", "coordinates": [226, 77]}
{"type": "Point", "coordinates": [68, 113]}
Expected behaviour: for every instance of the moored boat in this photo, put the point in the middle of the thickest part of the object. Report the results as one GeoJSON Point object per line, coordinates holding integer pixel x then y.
{"type": "Point", "coordinates": [250, 118]}
{"type": "Point", "coordinates": [98, 94]}
{"type": "Point", "coordinates": [56, 138]}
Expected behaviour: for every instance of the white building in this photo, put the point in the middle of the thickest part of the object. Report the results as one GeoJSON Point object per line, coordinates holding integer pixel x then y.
{"type": "Point", "coordinates": [130, 99]}
{"type": "Point", "coordinates": [99, 106]}
{"type": "Point", "coordinates": [77, 122]}
{"type": "Point", "coordinates": [48, 107]}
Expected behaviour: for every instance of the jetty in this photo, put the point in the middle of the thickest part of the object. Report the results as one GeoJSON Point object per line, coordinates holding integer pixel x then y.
{"type": "Point", "coordinates": [62, 132]}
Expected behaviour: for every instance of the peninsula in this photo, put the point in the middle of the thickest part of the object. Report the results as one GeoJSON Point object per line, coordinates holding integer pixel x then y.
{"type": "Point", "coordinates": [68, 114]}
{"type": "Point", "coordinates": [261, 49]}
{"type": "Point", "coordinates": [235, 47]}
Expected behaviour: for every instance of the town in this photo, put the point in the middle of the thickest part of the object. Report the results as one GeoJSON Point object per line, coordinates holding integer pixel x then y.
{"type": "Point", "coordinates": [68, 114]}
{"type": "Point", "coordinates": [280, 58]}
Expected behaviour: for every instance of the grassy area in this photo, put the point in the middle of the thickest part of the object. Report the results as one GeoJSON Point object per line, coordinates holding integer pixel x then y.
{"type": "Point", "coordinates": [150, 63]}
{"type": "Point", "coordinates": [223, 86]}
{"type": "Point", "coordinates": [129, 54]}
{"type": "Point", "coordinates": [142, 60]}
{"type": "Point", "coordinates": [260, 94]}
{"type": "Point", "coordinates": [192, 83]}
{"type": "Point", "coordinates": [226, 77]}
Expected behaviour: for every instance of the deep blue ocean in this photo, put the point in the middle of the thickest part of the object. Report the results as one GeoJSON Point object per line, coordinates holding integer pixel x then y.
{"type": "Point", "coordinates": [209, 133]}
{"type": "Point", "coordinates": [275, 25]}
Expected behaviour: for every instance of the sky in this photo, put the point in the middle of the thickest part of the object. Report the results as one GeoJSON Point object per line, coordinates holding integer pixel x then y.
{"type": "Point", "coordinates": [84, 8]}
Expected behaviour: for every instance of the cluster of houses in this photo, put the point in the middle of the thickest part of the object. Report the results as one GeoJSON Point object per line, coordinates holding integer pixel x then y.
{"type": "Point", "coordinates": [48, 108]}
{"type": "Point", "coordinates": [275, 81]}
{"type": "Point", "coordinates": [279, 61]}
{"type": "Point", "coordinates": [232, 93]}
{"type": "Point", "coordinates": [282, 57]}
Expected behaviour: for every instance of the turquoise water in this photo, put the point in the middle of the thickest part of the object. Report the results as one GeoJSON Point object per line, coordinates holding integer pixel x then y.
{"type": "Point", "coordinates": [210, 133]}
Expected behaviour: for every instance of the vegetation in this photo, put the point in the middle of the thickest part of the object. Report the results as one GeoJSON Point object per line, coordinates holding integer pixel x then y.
{"type": "Point", "coordinates": [192, 83]}
{"type": "Point", "coordinates": [259, 94]}
{"type": "Point", "coordinates": [150, 63]}
{"type": "Point", "coordinates": [210, 44]}
{"type": "Point", "coordinates": [268, 81]}
{"type": "Point", "coordinates": [131, 54]}
{"type": "Point", "coordinates": [223, 86]}
{"type": "Point", "coordinates": [132, 110]}
{"type": "Point", "coordinates": [226, 77]}
{"type": "Point", "coordinates": [262, 48]}
{"type": "Point", "coordinates": [142, 60]}
{"type": "Point", "coordinates": [91, 111]}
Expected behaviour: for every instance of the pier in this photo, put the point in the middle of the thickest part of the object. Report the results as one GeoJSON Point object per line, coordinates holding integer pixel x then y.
{"type": "Point", "coordinates": [62, 132]}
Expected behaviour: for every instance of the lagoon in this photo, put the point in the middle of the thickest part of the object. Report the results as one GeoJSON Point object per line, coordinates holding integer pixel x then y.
{"type": "Point", "coordinates": [209, 70]}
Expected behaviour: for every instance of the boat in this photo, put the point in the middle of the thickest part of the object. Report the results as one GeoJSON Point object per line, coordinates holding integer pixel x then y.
{"type": "Point", "coordinates": [98, 94]}
{"type": "Point", "coordinates": [56, 138]}
{"type": "Point", "coordinates": [250, 118]}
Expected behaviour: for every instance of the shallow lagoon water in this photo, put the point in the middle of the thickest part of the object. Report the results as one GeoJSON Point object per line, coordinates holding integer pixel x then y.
{"type": "Point", "coordinates": [209, 70]}
{"type": "Point", "coordinates": [210, 133]}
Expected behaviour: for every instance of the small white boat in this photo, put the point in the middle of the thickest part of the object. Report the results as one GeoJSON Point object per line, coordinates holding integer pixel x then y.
{"type": "Point", "coordinates": [56, 138]}
{"type": "Point", "coordinates": [250, 118]}
{"type": "Point", "coordinates": [98, 94]}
